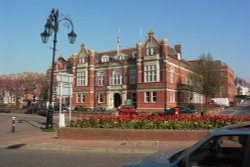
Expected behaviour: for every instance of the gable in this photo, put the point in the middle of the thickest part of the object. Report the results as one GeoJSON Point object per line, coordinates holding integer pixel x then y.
{"type": "Point", "coordinates": [151, 42]}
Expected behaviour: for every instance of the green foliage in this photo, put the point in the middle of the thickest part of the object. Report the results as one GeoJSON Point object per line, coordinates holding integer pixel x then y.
{"type": "Point", "coordinates": [241, 96]}
{"type": "Point", "coordinates": [79, 108]}
{"type": "Point", "coordinates": [191, 106]}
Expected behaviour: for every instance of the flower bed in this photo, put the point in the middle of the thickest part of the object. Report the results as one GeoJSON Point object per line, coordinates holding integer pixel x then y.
{"type": "Point", "coordinates": [157, 121]}
{"type": "Point", "coordinates": [145, 127]}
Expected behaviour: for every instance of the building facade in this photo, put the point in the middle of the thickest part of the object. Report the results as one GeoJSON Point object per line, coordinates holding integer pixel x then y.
{"type": "Point", "coordinates": [228, 90]}
{"type": "Point", "coordinates": [152, 76]}
{"type": "Point", "coordinates": [243, 88]}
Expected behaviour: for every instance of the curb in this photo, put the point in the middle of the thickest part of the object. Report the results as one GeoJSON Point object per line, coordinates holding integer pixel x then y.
{"type": "Point", "coordinates": [70, 149]}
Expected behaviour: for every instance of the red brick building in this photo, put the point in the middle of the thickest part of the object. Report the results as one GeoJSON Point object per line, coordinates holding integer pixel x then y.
{"type": "Point", "coordinates": [228, 90]}
{"type": "Point", "coordinates": [152, 76]}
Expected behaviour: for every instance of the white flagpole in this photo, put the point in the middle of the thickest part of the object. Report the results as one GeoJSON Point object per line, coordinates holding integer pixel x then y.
{"type": "Point", "coordinates": [118, 42]}
{"type": "Point", "coordinates": [60, 105]}
{"type": "Point", "coordinates": [140, 34]}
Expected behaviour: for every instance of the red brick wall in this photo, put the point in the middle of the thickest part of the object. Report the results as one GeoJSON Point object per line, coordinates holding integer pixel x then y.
{"type": "Point", "coordinates": [130, 134]}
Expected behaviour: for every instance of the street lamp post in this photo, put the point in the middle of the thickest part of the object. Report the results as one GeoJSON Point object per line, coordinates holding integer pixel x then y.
{"type": "Point", "coordinates": [52, 26]}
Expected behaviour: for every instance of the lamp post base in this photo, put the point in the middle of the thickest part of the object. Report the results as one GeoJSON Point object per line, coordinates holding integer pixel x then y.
{"type": "Point", "coordinates": [49, 121]}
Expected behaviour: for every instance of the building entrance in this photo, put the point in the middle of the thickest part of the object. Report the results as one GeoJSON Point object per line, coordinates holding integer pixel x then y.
{"type": "Point", "coordinates": [117, 100]}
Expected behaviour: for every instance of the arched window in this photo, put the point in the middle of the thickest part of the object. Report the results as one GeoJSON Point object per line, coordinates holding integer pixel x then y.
{"type": "Point", "coordinates": [116, 78]}
{"type": "Point", "coordinates": [105, 58]}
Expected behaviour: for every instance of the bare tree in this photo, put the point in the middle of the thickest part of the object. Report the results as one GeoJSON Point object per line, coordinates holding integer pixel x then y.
{"type": "Point", "coordinates": [27, 83]}
{"type": "Point", "coordinates": [2, 89]}
{"type": "Point", "coordinates": [14, 85]}
{"type": "Point", "coordinates": [207, 77]}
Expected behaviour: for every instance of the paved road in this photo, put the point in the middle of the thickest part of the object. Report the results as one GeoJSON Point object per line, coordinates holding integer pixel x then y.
{"type": "Point", "coordinates": [241, 110]}
{"type": "Point", "coordinates": [28, 158]}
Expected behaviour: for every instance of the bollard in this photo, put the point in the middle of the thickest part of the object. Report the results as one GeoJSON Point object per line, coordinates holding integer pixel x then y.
{"type": "Point", "coordinates": [13, 124]}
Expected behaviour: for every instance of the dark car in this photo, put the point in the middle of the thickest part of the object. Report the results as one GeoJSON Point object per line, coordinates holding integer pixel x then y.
{"type": "Point", "coordinates": [180, 110]}
{"type": "Point", "coordinates": [57, 107]}
{"type": "Point", "coordinates": [126, 109]}
{"type": "Point", "coordinates": [225, 147]}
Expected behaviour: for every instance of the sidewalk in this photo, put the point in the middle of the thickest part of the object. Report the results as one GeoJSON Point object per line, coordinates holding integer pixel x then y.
{"type": "Point", "coordinates": [28, 135]}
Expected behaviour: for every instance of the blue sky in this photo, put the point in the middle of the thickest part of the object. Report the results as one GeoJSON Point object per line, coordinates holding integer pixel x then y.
{"type": "Point", "coordinates": [219, 27]}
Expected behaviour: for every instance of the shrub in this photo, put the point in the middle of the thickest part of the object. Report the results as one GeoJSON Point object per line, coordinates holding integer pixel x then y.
{"type": "Point", "coordinates": [191, 106]}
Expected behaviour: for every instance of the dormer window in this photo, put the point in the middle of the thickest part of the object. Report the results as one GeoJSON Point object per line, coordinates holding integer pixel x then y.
{"type": "Point", "coordinates": [134, 55]}
{"type": "Point", "coordinates": [105, 58]}
{"type": "Point", "coordinates": [121, 57]}
{"type": "Point", "coordinates": [151, 51]}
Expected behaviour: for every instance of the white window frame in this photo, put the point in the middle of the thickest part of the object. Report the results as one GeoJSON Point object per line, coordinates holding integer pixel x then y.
{"type": "Point", "coordinates": [105, 58]}
{"type": "Point", "coordinates": [172, 97]}
{"type": "Point", "coordinates": [80, 98]}
{"type": "Point", "coordinates": [153, 97]}
{"type": "Point", "coordinates": [151, 51]}
{"type": "Point", "coordinates": [134, 55]}
{"type": "Point", "coordinates": [116, 78]}
{"type": "Point", "coordinates": [81, 60]}
{"type": "Point", "coordinates": [147, 97]}
{"type": "Point", "coordinates": [100, 98]}
{"type": "Point", "coordinates": [150, 73]}
{"type": "Point", "coordinates": [81, 78]}
{"type": "Point", "coordinates": [150, 97]}
{"type": "Point", "coordinates": [100, 79]}
{"type": "Point", "coordinates": [121, 57]}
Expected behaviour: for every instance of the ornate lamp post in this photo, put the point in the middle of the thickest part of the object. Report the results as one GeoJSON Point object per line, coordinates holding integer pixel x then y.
{"type": "Point", "coordinates": [52, 26]}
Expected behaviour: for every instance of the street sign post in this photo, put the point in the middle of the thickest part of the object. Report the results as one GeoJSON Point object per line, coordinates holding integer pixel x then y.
{"type": "Point", "coordinates": [64, 89]}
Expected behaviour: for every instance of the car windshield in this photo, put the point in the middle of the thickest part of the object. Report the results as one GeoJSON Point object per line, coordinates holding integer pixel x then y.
{"type": "Point", "coordinates": [174, 157]}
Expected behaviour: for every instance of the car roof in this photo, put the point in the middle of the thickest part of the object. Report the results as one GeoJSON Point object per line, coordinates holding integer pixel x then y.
{"type": "Point", "coordinates": [243, 128]}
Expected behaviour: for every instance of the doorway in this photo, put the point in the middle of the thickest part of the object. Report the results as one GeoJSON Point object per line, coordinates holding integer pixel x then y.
{"type": "Point", "coordinates": [117, 100]}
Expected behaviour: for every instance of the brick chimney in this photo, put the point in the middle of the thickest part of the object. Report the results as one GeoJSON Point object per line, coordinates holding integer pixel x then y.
{"type": "Point", "coordinates": [178, 49]}
{"type": "Point", "coordinates": [164, 44]}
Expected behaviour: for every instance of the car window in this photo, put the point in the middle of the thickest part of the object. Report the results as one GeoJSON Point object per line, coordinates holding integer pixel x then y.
{"type": "Point", "coordinates": [219, 152]}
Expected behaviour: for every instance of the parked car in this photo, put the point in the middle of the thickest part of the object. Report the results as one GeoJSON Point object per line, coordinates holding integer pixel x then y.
{"type": "Point", "coordinates": [225, 147]}
{"type": "Point", "coordinates": [126, 109]}
{"type": "Point", "coordinates": [180, 110]}
{"type": "Point", "coordinates": [57, 107]}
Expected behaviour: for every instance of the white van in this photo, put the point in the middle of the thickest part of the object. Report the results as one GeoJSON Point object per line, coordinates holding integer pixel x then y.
{"type": "Point", "coordinates": [220, 101]}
